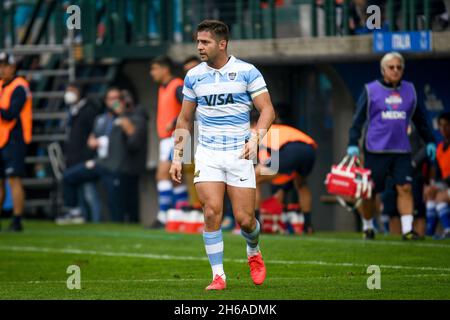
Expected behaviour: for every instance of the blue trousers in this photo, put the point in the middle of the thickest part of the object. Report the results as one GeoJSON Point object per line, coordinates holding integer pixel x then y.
{"type": "Point", "coordinates": [80, 174]}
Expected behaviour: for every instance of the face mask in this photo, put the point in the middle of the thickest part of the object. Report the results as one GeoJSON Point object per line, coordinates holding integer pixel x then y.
{"type": "Point", "coordinates": [116, 106]}
{"type": "Point", "coordinates": [70, 97]}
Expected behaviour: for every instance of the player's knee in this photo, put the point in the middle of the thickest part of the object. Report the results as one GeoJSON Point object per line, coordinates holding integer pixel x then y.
{"type": "Point", "coordinates": [211, 213]}
{"type": "Point", "coordinates": [246, 223]}
{"type": "Point", "coordinates": [404, 189]}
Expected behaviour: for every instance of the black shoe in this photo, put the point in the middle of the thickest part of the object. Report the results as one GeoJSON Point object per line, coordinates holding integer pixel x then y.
{"type": "Point", "coordinates": [15, 227]}
{"type": "Point", "coordinates": [369, 234]}
{"type": "Point", "coordinates": [156, 225]}
{"type": "Point", "coordinates": [412, 235]}
{"type": "Point", "coordinates": [309, 230]}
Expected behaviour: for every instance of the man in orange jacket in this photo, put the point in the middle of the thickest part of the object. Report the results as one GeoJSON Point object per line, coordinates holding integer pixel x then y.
{"type": "Point", "coordinates": [437, 194]}
{"type": "Point", "coordinates": [170, 98]}
{"type": "Point", "coordinates": [287, 155]}
{"type": "Point", "coordinates": [15, 134]}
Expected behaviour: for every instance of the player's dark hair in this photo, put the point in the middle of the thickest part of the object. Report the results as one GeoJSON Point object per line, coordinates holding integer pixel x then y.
{"type": "Point", "coordinates": [164, 61]}
{"type": "Point", "coordinates": [217, 28]}
{"type": "Point", "coordinates": [191, 59]}
{"type": "Point", "coordinates": [444, 116]}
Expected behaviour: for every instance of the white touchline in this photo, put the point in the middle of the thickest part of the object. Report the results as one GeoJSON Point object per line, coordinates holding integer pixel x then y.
{"type": "Point", "coordinates": [209, 279]}
{"type": "Point", "coordinates": [170, 257]}
{"type": "Point", "coordinates": [114, 234]}
{"type": "Point", "coordinates": [378, 242]}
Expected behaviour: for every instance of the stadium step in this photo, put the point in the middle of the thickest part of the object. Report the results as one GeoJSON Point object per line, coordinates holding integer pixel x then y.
{"type": "Point", "coordinates": [37, 159]}
{"type": "Point", "coordinates": [49, 115]}
{"type": "Point", "coordinates": [91, 80]}
{"type": "Point", "coordinates": [44, 73]}
{"type": "Point", "coordinates": [49, 137]}
{"type": "Point", "coordinates": [48, 94]}
{"type": "Point", "coordinates": [36, 203]}
{"type": "Point", "coordinates": [36, 49]}
{"type": "Point", "coordinates": [38, 183]}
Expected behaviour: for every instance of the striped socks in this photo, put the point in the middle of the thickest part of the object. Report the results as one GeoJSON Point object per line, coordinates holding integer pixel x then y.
{"type": "Point", "coordinates": [165, 191]}
{"type": "Point", "coordinates": [180, 194]}
{"type": "Point", "coordinates": [252, 240]}
{"type": "Point", "coordinates": [432, 218]}
{"type": "Point", "coordinates": [444, 215]}
{"type": "Point", "coordinates": [214, 249]}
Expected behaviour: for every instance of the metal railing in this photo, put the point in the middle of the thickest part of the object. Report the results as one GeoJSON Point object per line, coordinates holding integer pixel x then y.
{"type": "Point", "coordinates": [124, 24]}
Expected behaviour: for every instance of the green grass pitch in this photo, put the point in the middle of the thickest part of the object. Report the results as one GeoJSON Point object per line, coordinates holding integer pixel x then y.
{"type": "Point", "coordinates": [130, 262]}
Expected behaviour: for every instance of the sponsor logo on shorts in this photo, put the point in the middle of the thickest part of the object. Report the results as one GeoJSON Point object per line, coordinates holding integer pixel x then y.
{"type": "Point", "coordinates": [197, 174]}
{"type": "Point", "coordinates": [409, 179]}
{"type": "Point", "coordinates": [9, 170]}
{"type": "Point", "coordinates": [241, 179]}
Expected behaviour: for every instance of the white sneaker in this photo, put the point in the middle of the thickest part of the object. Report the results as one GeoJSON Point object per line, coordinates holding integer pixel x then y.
{"type": "Point", "coordinates": [162, 217]}
{"type": "Point", "coordinates": [70, 218]}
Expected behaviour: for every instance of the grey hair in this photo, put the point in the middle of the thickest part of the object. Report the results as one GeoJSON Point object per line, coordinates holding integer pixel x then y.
{"type": "Point", "coordinates": [389, 56]}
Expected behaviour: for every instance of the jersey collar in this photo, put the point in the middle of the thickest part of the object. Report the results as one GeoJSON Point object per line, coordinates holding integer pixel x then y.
{"type": "Point", "coordinates": [224, 69]}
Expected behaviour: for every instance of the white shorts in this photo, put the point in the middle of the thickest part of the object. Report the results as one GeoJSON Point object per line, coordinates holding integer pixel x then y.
{"type": "Point", "coordinates": [223, 166]}
{"type": "Point", "coordinates": [165, 149]}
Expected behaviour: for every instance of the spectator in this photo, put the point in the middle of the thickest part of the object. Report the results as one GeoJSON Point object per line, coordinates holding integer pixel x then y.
{"type": "Point", "coordinates": [387, 105]}
{"type": "Point", "coordinates": [80, 121]}
{"type": "Point", "coordinates": [119, 137]}
{"type": "Point", "coordinates": [15, 134]}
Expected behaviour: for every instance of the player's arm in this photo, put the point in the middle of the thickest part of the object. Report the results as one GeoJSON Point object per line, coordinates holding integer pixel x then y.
{"type": "Point", "coordinates": [257, 88]}
{"type": "Point", "coordinates": [263, 103]}
{"type": "Point", "coordinates": [181, 135]}
{"type": "Point", "coordinates": [359, 119]}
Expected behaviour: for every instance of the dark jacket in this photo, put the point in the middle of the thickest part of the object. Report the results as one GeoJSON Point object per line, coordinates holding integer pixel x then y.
{"type": "Point", "coordinates": [126, 154]}
{"type": "Point", "coordinates": [79, 125]}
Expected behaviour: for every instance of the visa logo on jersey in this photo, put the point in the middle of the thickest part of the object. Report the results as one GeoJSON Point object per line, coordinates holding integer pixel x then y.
{"type": "Point", "coordinates": [219, 99]}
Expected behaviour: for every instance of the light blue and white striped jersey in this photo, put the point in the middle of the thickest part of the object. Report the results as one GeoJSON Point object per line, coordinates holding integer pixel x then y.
{"type": "Point", "coordinates": [224, 102]}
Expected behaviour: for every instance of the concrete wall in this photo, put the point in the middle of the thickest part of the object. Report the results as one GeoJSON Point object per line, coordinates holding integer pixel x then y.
{"type": "Point", "coordinates": [137, 76]}
{"type": "Point", "coordinates": [306, 50]}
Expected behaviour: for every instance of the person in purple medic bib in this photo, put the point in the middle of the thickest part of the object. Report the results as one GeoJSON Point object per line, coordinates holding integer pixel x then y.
{"type": "Point", "coordinates": [385, 109]}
